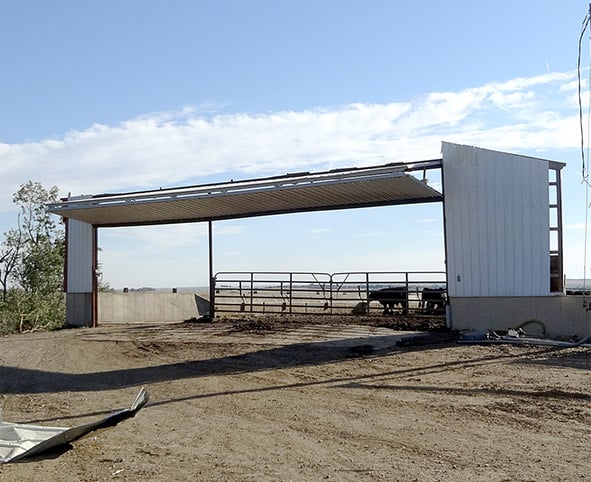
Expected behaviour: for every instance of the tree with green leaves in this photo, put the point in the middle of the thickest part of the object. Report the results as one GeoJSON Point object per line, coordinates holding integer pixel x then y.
{"type": "Point", "coordinates": [31, 264]}
{"type": "Point", "coordinates": [41, 267]}
{"type": "Point", "coordinates": [10, 251]}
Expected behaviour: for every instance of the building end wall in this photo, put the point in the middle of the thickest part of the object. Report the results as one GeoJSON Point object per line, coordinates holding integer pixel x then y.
{"type": "Point", "coordinates": [497, 231]}
{"type": "Point", "coordinates": [563, 316]}
{"type": "Point", "coordinates": [80, 281]}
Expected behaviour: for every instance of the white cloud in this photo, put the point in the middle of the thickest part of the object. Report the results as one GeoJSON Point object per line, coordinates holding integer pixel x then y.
{"type": "Point", "coordinates": [172, 148]}
{"type": "Point", "coordinates": [150, 238]}
{"type": "Point", "coordinates": [227, 229]}
{"type": "Point", "coordinates": [158, 239]}
{"type": "Point", "coordinates": [575, 226]}
{"type": "Point", "coordinates": [317, 231]}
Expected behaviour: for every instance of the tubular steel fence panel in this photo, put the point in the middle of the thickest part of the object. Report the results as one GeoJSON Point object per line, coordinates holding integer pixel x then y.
{"type": "Point", "coordinates": [272, 292]}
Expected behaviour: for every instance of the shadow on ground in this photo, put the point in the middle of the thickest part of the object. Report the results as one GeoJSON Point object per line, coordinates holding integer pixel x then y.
{"type": "Point", "coordinates": [16, 380]}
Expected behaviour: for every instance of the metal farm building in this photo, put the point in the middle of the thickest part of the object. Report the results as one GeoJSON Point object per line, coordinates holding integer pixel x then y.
{"type": "Point", "coordinates": [502, 229]}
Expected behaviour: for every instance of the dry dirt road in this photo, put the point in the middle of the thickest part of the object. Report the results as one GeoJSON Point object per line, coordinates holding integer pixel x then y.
{"type": "Point", "coordinates": [306, 402]}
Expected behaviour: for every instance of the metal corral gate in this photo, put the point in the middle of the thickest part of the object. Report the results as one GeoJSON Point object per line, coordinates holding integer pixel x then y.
{"type": "Point", "coordinates": [274, 292]}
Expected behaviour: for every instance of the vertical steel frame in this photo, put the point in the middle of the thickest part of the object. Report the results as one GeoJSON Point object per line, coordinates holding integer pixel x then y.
{"type": "Point", "coordinates": [557, 267]}
{"type": "Point", "coordinates": [211, 272]}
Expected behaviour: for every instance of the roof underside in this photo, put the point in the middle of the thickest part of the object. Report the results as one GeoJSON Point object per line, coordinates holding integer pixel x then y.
{"type": "Point", "coordinates": [341, 189]}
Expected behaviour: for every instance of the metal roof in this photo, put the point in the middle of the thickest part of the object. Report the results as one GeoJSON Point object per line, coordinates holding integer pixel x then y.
{"type": "Point", "coordinates": [300, 192]}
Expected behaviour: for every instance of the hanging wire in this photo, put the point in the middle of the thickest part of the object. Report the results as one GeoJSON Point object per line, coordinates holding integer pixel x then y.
{"type": "Point", "coordinates": [586, 169]}
{"type": "Point", "coordinates": [581, 124]}
{"type": "Point", "coordinates": [585, 243]}
{"type": "Point", "coordinates": [584, 173]}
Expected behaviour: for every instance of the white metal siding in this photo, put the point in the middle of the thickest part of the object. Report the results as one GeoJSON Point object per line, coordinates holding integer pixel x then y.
{"type": "Point", "coordinates": [80, 252]}
{"type": "Point", "coordinates": [497, 223]}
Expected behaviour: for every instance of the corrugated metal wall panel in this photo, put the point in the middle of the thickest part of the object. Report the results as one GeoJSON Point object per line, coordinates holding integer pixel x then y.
{"type": "Point", "coordinates": [80, 255]}
{"type": "Point", "coordinates": [497, 223]}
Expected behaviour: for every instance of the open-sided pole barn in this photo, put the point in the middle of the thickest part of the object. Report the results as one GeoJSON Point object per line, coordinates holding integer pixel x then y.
{"type": "Point", "coordinates": [503, 257]}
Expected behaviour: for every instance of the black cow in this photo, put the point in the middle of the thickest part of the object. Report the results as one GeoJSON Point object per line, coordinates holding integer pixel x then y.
{"type": "Point", "coordinates": [390, 298]}
{"type": "Point", "coordinates": [433, 300]}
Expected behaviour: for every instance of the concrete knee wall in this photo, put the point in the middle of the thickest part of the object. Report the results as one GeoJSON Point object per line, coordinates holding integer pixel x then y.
{"type": "Point", "coordinates": [563, 316]}
{"type": "Point", "coordinates": [151, 306]}
{"type": "Point", "coordinates": [134, 307]}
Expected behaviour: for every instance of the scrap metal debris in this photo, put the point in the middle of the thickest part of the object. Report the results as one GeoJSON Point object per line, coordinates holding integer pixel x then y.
{"type": "Point", "coordinates": [24, 440]}
{"type": "Point", "coordinates": [518, 337]}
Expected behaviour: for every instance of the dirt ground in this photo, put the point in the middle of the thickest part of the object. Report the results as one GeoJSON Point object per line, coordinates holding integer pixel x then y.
{"type": "Point", "coordinates": [264, 401]}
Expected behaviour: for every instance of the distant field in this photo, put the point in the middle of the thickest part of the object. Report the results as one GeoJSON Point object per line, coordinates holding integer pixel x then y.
{"type": "Point", "coordinates": [577, 284]}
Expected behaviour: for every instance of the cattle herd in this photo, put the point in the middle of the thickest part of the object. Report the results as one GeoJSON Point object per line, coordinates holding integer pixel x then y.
{"type": "Point", "coordinates": [431, 300]}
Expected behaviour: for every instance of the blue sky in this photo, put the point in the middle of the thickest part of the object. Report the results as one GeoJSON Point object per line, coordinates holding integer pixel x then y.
{"type": "Point", "coordinates": [113, 96]}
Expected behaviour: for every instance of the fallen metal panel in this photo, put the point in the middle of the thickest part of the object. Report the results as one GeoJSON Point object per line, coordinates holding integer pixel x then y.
{"type": "Point", "coordinates": [23, 440]}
